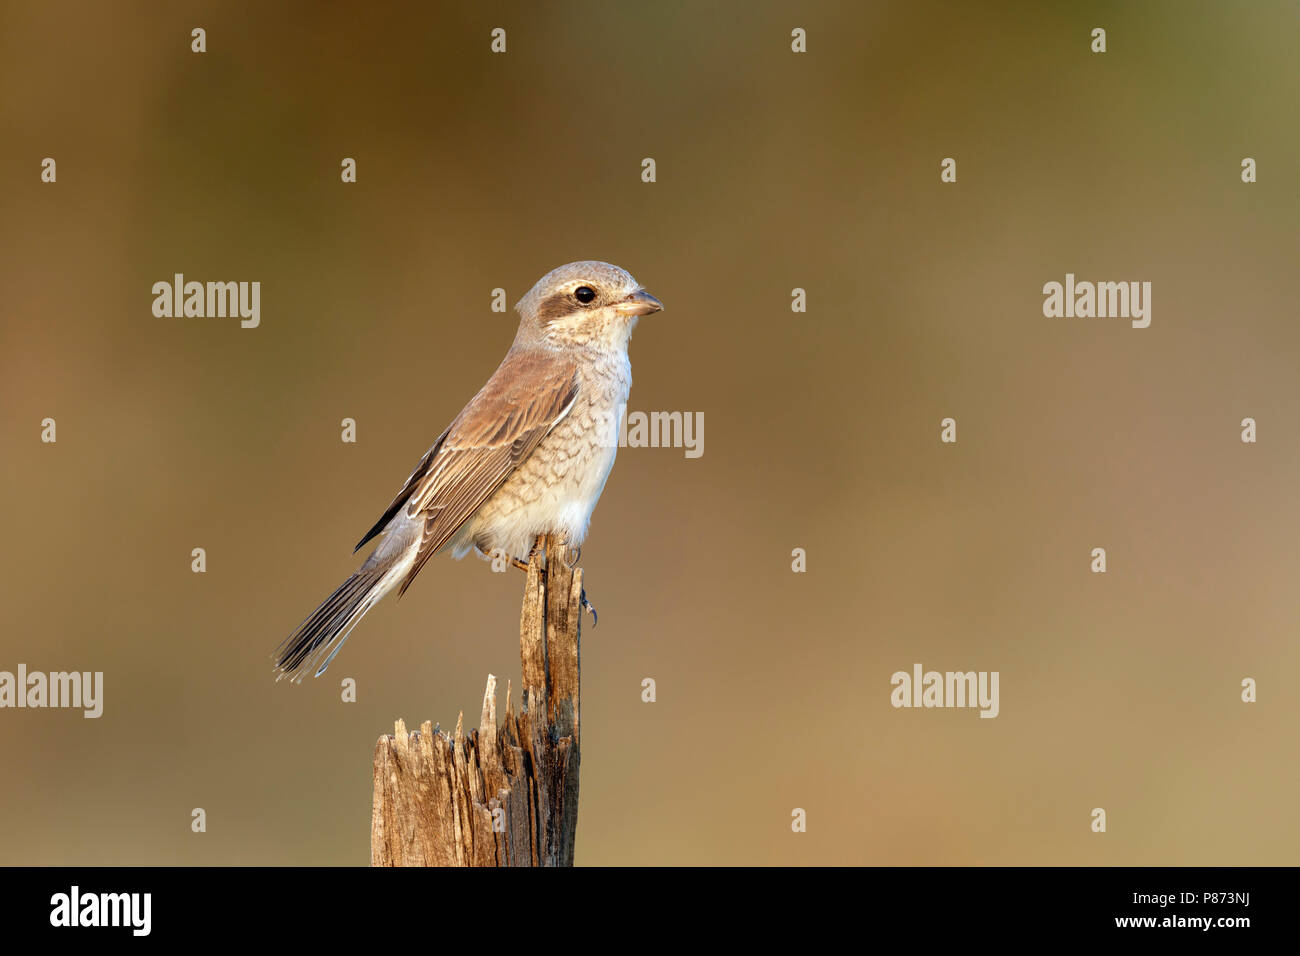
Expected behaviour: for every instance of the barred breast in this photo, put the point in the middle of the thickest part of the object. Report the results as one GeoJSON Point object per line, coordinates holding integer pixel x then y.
{"type": "Point", "coordinates": [556, 488]}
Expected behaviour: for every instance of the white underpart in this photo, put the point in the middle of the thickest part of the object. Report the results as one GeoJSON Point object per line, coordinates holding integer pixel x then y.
{"type": "Point", "coordinates": [556, 488]}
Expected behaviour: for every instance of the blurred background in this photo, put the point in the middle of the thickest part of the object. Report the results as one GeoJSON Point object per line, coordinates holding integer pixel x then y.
{"type": "Point", "coordinates": [775, 171]}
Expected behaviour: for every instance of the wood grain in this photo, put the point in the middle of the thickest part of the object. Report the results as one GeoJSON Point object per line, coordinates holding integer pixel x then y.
{"type": "Point", "coordinates": [505, 794]}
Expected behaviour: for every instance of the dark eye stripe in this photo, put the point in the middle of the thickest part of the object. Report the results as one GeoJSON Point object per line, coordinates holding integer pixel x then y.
{"type": "Point", "coordinates": [555, 307]}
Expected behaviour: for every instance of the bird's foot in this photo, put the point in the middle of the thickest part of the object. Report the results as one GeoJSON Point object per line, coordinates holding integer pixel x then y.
{"type": "Point", "coordinates": [588, 606]}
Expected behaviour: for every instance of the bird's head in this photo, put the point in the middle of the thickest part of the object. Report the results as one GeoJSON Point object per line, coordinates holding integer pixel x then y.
{"type": "Point", "coordinates": [587, 303]}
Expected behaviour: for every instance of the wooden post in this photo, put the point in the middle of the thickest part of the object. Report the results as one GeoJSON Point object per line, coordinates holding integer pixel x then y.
{"type": "Point", "coordinates": [499, 796]}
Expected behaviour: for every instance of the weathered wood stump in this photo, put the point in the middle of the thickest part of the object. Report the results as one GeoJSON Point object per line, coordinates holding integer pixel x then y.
{"type": "Point", "coordinates": [502, 795]}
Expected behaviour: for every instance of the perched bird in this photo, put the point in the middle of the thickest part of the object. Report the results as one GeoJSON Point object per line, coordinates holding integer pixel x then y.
{"type": "Point", "coordinates": [527, 456]}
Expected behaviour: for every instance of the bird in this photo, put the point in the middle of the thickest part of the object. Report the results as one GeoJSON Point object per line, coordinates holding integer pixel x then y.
{"type": "Point", "coordinates": [529, 454]}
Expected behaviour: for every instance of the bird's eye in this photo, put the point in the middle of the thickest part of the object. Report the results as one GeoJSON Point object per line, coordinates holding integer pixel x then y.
{"type": "Point", "coordinates": [584, 294]}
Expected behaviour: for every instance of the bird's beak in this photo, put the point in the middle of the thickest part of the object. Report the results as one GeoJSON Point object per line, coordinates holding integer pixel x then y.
{"type": "Point", "coordinates": [639, 302]}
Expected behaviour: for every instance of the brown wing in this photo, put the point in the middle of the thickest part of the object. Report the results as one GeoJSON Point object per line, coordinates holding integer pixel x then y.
{"type": "Point", "coordinates": [396, 505]}
{"type": "Point", "coordinates": [498, 429]}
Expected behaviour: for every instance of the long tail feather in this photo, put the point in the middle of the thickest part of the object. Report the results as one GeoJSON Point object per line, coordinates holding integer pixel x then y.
{"type": "Point", "coordinates": [321, 636]}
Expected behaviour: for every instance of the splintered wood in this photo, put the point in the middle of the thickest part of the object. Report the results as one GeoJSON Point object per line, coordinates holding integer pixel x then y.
{"type": "Point", "coordinates": [500, 795]}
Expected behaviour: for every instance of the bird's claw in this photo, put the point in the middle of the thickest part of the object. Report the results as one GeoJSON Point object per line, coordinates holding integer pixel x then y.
{"type": "Point", "coordinates": [588, 606]}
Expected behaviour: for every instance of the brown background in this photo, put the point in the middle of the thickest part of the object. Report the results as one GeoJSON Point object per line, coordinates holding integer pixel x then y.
{"type": "Point", "coordinates": [775, 171]}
